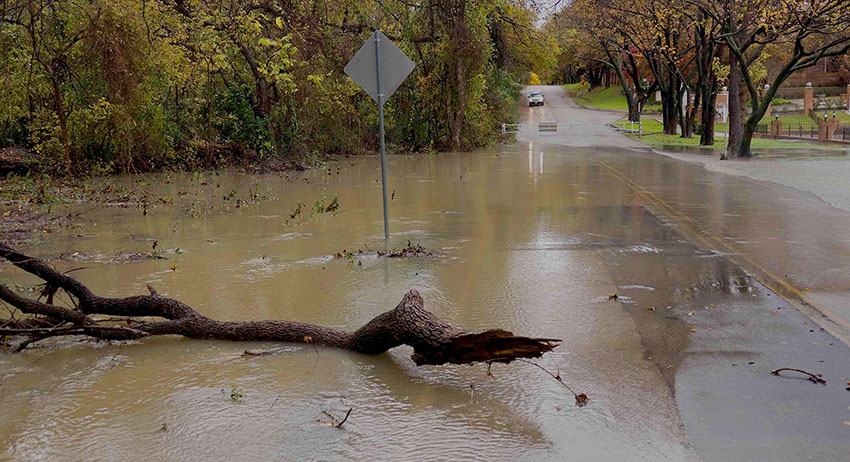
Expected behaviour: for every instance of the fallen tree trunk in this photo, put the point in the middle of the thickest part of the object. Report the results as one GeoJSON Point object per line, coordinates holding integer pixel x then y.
{"type": "Point", "coordinates": [433, 341]}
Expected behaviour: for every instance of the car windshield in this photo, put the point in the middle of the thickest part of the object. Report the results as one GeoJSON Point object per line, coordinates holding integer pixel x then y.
{"type": "Point", "coordinates": [536, 94]}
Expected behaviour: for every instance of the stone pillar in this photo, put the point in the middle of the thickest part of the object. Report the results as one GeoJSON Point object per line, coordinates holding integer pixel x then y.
{"type": "Point", "coordinates": [808, 98]}
{"type": "Point", "coordinates": [824, 131]}
{"type": "Point", "coordinates": [775, 128]}
{"type": "Point", "coordinates": [848, 96]}
{"type": "Point", "coordinates": [722, 100]}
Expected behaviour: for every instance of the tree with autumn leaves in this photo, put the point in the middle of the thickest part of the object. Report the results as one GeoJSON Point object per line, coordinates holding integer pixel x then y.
{"type": "Point", "coordinates": [140, 85]}
{"type": "Point", "coordinates": [803, 32]}
{"type": "Point", "coordinates": [688, 47]}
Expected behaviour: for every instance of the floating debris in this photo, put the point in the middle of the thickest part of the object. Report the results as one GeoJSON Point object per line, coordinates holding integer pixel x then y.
{"type": "Point", "coordinates": [407, 252]}
{"type": "Point", "coordinates": [410, 251]}
{"type": "Point", "coordinates": [118, 257]}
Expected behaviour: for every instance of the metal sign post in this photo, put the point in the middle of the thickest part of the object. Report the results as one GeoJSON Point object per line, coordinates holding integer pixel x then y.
{"type": "Point", "coordinates": [379, 68]}
{"type": "Point", "coordinates": [381, 135]}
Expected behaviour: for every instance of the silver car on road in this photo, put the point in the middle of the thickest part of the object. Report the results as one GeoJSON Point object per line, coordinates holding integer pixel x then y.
{"type": "Point", "coordinates": [535, 98]}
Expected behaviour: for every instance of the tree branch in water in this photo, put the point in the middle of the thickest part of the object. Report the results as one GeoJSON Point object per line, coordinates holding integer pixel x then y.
{"type": "Point", "coordinates": [434, 341]}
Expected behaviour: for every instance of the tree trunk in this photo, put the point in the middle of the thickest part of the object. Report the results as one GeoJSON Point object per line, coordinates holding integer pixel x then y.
{"type": "Point", "coordinates": [735, 119]}
{"type": "Point", "coordinates": [59, 107]}
{"type": "Point", "coordinates": [707, 83]}
{"type": "Point", "coordinates": [459, 113]}
{"type": "Point", "coordinates": [641, 93]}
{"type": "Point", "coordinates": [669, 109]}
{"type": "Point", "coordinates": [434, 341]}
{"type": "Point", "coordinates": [708, 92]}
{"type": "Point", "coordinates": [690, 116]}
{"type": "Point", "coordinates": [634, 111]}
{"type": "Point", "coordinates": [631, 101]}
{"type": "Point", "coordinates": [747, 131]}
{"type": "Point", "coordinates": [708, 115]}
{"type": "Point", "coordinates": [456, 97]}
{"type": "Point", "coordinates": [263, 102]}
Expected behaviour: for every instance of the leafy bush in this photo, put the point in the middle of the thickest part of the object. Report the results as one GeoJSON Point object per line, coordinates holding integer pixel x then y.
{"type": "Point", "coordinates": [45, 140]}
{"type": "Point", "coordinates": [236, 122]}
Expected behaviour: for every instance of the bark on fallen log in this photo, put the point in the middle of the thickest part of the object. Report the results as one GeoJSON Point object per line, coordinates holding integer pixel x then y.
{"type": "Point", "coordinates": [434, 341]}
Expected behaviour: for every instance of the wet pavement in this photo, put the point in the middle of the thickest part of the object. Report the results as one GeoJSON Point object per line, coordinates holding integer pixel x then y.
{"type": "Point", "coordinates": [533, 237]}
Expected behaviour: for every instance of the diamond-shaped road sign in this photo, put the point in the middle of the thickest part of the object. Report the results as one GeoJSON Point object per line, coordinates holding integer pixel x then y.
{"type": "Point", "coordinates": [395, 67]}
{"type": "Point", "coordinates": [379, 67]}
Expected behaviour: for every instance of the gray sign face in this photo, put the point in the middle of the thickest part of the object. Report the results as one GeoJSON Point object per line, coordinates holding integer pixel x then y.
{"type": "Point", "coordinates": [395, 67]}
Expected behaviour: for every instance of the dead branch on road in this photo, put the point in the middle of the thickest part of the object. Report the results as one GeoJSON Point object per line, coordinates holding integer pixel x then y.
{"type": "Point", "coordinates": [816, 378]}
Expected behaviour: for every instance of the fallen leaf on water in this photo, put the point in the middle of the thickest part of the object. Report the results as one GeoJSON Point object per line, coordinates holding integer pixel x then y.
{"type": "Point", "coordinates": [693, 331]}
{"type": "Point", "coordinates": [651, 308]}
{"type": "Point", "coordinates": [582, 399]}
{"type": "Point", "coordinates": [173, 267]}
{"type": "Point", "coordinates": [691, 313]}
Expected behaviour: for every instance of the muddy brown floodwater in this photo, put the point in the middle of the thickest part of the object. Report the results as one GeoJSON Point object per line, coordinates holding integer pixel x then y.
{"type": "Point", "coordinates": [530, 237]}
{"type": "Point", "coordinates": [517, 248]}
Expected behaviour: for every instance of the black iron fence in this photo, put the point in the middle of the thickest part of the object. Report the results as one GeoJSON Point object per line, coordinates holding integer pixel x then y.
{"type": "Point", "coordinates": [843, 134]}
{"type": "Point", "coordinates": [801, 131]}
{"type": "Point", "coordinates": [805, 131]}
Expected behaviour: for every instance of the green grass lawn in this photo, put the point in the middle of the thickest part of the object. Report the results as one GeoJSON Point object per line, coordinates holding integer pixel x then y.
{"type": "Point", "coordinates": [659, 140]}
{"type": "Point", "coordinates": [654, 126]}
{"type": "Point", "coordinates": [572, 88]}
{"type": "Point", "coordinates": [607, 98]}
{"type": "Point", "coordinates": [604, 98]}
{"type": "Point", "coordinates": [800, 119]}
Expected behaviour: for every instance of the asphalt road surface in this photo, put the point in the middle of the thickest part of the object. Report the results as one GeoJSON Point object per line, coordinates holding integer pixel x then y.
{"type": "Point", "coordinates": [767, 287]}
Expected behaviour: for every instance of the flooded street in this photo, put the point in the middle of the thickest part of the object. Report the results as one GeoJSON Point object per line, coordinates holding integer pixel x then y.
{"type": "Point", "coordinates": [531, 237]}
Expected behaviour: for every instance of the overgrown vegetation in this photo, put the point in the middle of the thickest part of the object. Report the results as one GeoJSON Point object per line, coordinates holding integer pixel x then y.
{"type": "Point", "coordinates": [108, 86]}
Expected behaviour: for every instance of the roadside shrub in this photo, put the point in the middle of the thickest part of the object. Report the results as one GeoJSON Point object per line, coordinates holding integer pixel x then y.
{"type": "Point", "coordinates": [236, 122]}
{"type": "Point", "coordinates": [45, 140]}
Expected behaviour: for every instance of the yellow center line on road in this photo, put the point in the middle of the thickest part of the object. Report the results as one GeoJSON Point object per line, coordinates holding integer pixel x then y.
{"type": "Point", "coordinates": [691, 228]}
